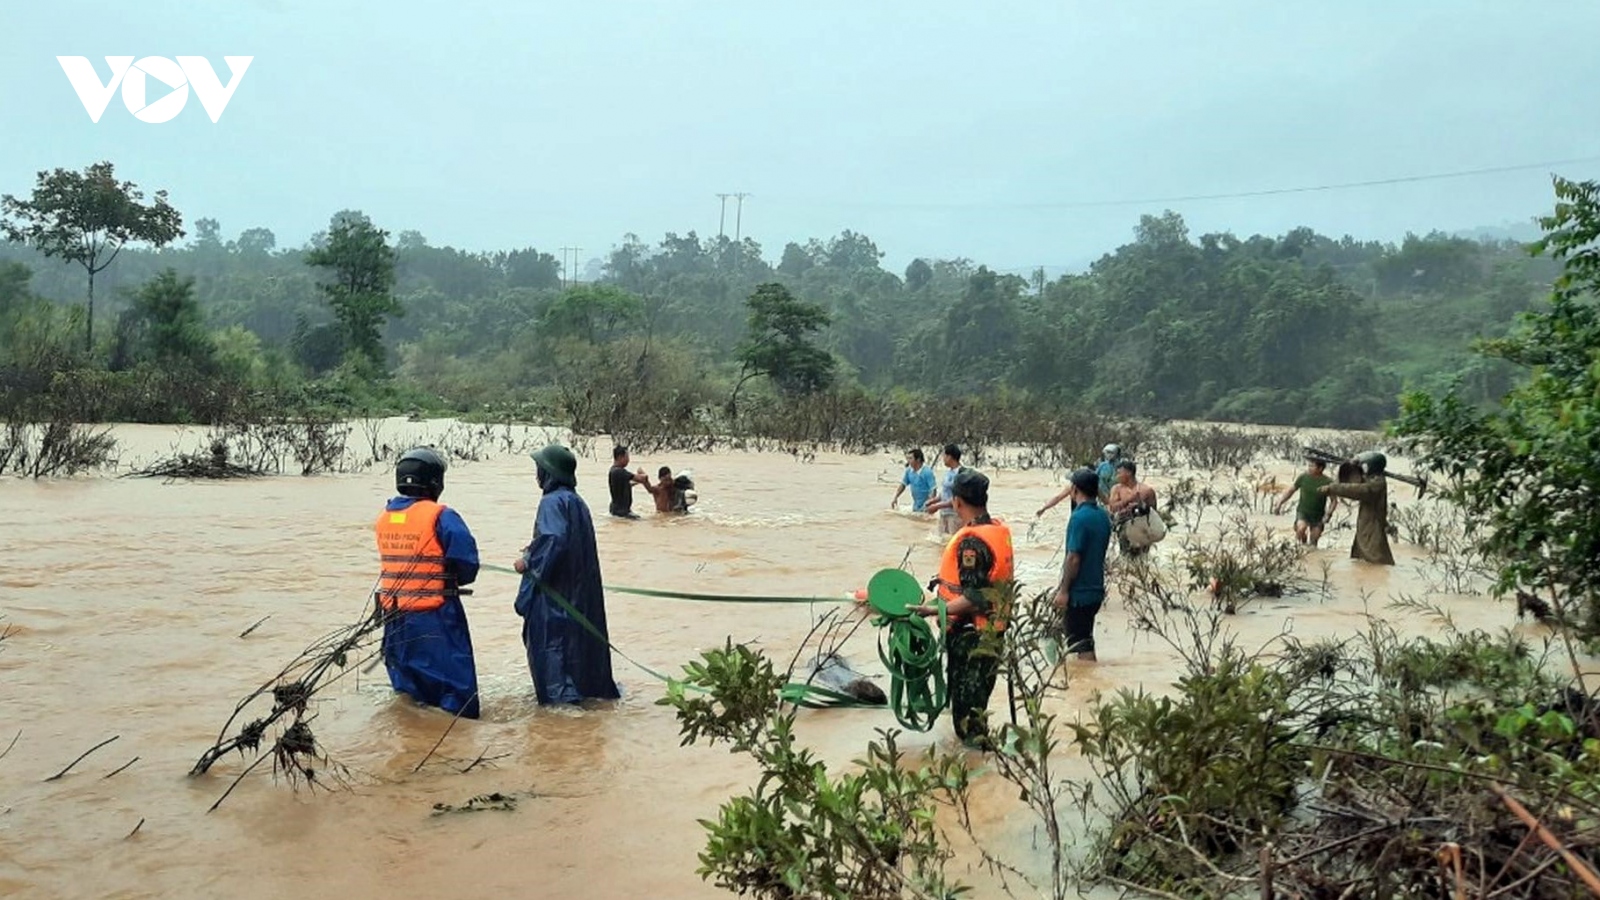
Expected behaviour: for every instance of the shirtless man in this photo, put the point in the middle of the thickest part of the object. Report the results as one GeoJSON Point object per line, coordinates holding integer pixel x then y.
{"type": "Point", "coordinates": [1128, 492]}
{"type": "Point", "coordinates": [665, 492]}
{"type": "Point", "coordinates": [1126, 496]}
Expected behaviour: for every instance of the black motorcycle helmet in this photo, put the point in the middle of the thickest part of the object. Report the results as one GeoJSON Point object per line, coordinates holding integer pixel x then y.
{"type": "Point", "coordinates": [420, 473]}
{"type": "Point", "coordinates": [1373, 462]}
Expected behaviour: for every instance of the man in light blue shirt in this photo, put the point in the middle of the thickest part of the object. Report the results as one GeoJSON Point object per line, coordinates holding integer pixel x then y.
{"type": "Point", "coordinates": [948, 521]}
{"type": "Point", "coordinates": [919, 478]}
{"type": "Point", "coordinates": [1107, 470]}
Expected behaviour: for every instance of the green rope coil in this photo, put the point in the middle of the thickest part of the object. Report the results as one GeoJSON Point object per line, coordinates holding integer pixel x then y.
{"type": "Point", "coordinates": [913, 653]}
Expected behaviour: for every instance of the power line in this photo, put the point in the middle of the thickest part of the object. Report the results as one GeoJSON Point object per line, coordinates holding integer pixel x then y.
{"type": "Point", "coordinates": [1237, 195]}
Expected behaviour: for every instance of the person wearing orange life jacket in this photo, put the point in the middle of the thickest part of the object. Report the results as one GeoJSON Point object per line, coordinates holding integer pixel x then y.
{"type": "Point", "coordinates": [975, 576]}
{"type": "Point", "coordinates": [427, 554]}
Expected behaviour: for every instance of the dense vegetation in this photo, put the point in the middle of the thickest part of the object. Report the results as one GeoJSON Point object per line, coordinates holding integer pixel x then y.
{"type": "Point", "coordinates": [1528, 472]}
{"type": "Point", "coordinates": [1296, 329]}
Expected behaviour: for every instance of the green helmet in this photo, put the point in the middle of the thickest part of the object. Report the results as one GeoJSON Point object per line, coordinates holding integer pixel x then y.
{"type": "Point", "coordinates": [1373, 462]}
{"type": "Point", "coordinates": [558, 464]}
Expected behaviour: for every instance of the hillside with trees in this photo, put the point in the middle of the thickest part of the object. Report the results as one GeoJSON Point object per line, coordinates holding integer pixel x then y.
{"type": "Point", "coordinates": [1299, 329]}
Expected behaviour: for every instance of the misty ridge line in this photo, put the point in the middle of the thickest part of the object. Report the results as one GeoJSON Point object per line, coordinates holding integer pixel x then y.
{"type": "Point", "coordinates": [1156, 201]}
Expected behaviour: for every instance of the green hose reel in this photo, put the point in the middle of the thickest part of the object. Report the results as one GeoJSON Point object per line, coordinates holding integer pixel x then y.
{"type": "Point", "coordinates": [909, 648]}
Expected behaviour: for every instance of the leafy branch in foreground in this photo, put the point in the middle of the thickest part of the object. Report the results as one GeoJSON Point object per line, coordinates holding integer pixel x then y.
{"type": "Point", "coordinates": [1527, 475]}
{"type": "Point", "coordinates": [1343, 768]}
{"type": "Point", "coordinates": [803, 831]}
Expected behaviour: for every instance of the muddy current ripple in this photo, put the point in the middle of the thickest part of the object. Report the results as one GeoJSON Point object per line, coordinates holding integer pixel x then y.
{"type": "Point", "coordinates": [126, 597]}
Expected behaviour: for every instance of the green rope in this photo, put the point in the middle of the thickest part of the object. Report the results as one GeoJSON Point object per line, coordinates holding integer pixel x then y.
{"type": "Point", "coordinates": [908, 648]}
{"type": "Point", "coordinates": [684, 595]}
{"type": "Point", "coordinates": [912, 652]}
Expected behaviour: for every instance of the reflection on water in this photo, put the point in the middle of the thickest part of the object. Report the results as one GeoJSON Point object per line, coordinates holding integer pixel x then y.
{"type": "Point", "coordinates": [126, 599]}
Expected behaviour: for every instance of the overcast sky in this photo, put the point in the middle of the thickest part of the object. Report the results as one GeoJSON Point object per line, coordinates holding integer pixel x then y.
{"type": "Point", "coordinates": [977, 128]}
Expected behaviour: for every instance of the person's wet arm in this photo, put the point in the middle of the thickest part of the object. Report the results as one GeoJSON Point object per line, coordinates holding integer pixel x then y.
{"type": "Point", "coordinates": [1065, 493]}
{"type": "Point", "coordinates": [1283, 498]}
{"type": "Point", "coordinates": [460, 547]}
{"type": "Point", "coordinates": [1363, 490]}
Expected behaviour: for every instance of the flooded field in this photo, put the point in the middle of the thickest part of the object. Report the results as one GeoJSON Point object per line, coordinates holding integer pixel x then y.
{"type": "Point", "coordinates": [126, 598]}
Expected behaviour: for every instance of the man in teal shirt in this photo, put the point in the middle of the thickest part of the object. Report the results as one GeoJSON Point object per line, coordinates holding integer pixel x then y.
{"type": "Point", "coordinates": [919, 478]}
{"type": "Point", "coordinates": [1083, 574]}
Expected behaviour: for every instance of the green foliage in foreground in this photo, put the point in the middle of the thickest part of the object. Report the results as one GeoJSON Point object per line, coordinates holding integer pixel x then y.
{"type": "Point", "coordinates": [1350, 763]}
{"type": "Point", "coordinates": [1528, 472]}
{"type": "Point", "coordinates": [803, 831]}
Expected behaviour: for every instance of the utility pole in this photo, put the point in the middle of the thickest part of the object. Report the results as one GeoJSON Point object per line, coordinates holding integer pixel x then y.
{"type": "Point", "coordinates": [738, 219]}
{"type": "Point", "coordinates": [723, 218]}
{"type": "Point", "coordinates": [574, 270]}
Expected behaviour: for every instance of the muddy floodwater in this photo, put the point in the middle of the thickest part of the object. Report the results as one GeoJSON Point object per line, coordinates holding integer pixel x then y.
{"type": "Point", "coordinates": [126, 597]}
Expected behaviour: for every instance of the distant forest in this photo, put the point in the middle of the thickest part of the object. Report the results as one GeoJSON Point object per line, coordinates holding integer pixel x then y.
{"type": "Point", "coordinates": [1296, 329]}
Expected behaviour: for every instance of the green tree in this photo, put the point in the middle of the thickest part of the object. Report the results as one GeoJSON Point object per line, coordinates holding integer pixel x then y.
{"type": "Point", "coordinates": [795, 260]}
{"type": "Point", "coordinates": [1528, 473]}
{"type": "Point", "coordinates": [918, 275]}
{"type": "Point", "coordinates": [779, 343]}
{"type": "Point", "coordinates": [254, 242]}
{"type": "Point", "coordinates": [528, 268]}
{"type": "Point", "coordinates": [981, 330]}
{"type": "Point", "coordinates": [88, 217]}
{"type": "Point", "coordinates": [165, 326]}
{"type": "Point", "coordinates": [362, 264]}
{"type": "Point", "coordinates": [597, 313]}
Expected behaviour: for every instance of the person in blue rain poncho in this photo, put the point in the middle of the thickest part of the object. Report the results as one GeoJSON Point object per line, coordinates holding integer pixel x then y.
{"type": "Point", "coordinates": [567, 662]}
{"type": "Point", "coordinates": [426, 555]}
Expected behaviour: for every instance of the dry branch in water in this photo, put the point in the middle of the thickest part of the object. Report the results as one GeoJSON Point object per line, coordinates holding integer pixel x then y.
{"type": "Point", "coordinates": [283, 734]}
{"type": "Point", "coordinates": [213, 465]}
{"type": "Point", "coordinates": [54, 448]}
{"type": "Point", "coordinates": [119, 769]}
{"type": "Point", "coordinates": [246, 633]}
{"type": "Point", "coordinates": [80, 759]}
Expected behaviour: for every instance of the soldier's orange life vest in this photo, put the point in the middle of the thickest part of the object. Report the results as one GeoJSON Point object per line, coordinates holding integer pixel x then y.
{"type": "Point", "coordinates": [413, 576]}
{"type": "Point", "coordinates": [997, 537]}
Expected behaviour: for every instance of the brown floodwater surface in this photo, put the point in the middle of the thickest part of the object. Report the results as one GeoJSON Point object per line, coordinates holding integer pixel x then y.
{"type": "Point", "coordinates": [126, 598]}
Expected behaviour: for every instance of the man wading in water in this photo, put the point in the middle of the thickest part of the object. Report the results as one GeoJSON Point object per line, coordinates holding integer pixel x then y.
{"type": "Point", "coordinates": [1129, 500]}
{"type": "Point", "coordinates": [919, 478]}
{"type": "Point", "coordinates": [426, 554]}
{"type": "Point", "coordinates": [949, 522]}
{"type": "Point", "coordinates": [669, 497]}
{"type": "Point", "coordinates": [1083, 573]}
{"type": "Point", "coordinates": [1372, 517]}
{"type": "Point", "coordinates": [568, 663]}
{"type": "Point", "coordinates": [621, 482]}
{"type": "Point", "coordinates": [1314, 506]}
{"type": "Point", "coordinates": [974, 577]}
